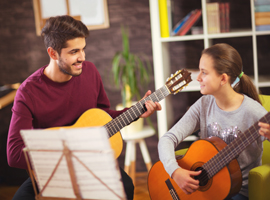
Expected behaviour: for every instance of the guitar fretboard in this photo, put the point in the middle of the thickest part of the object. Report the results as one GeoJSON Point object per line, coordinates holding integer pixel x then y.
{"type": "Point", "coordinates": [172, 191]}
{"type": "Point", "coordinates": [134, 112]}
{"type": "Point", "coordinates": [231, 151]}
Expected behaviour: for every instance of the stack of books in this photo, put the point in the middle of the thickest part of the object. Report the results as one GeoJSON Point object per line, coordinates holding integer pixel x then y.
{"type": "Point", "coordinates": [183, 27]}
{"type": "Point", "coordinates": [262, 15]}
{"type": "Point", "coordinates": [218, 17]}
{"type": "Point", "coordinates": [185, 24]}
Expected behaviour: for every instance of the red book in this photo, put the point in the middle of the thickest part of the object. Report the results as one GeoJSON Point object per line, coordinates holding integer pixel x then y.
{"type": "Point", "coordinates": [192, 13]}
{"type": "Point", "coordinates": [192, 20]}
{"type": "Point", "coordinates": [222, 17]}
{"type": "Point", "coordinates": [227, 16]}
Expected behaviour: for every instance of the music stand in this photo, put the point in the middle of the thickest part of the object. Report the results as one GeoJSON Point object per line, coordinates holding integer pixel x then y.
{"type": "Point", "coordinates": [72, 164]}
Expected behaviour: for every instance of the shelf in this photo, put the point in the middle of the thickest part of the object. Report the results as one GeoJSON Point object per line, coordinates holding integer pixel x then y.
{"type": "Point", "coordinates": [192, 87]}
{"type": "Point", "coordinates": [233, 33]}
{"type": "Point", "coordinates": [163, 61]}
{"type": "Point", "coordinates": [262, 32]}
{"type": "Point", "coordinates": [182, 38]}
{"type": "Point", "coordinates": [194, 84]}
{"type": "Point", "coordinates": [264, 81]}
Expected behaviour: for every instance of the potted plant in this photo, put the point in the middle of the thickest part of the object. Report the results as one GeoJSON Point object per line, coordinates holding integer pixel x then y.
{"type": "Point", "coordinates": [130, 72]}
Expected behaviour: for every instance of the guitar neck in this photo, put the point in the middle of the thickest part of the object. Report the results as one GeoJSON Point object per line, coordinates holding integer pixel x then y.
{"type": "Point", "coordinates": [135, 111]}
{"type": "Point", "coordinates": [231, 151]}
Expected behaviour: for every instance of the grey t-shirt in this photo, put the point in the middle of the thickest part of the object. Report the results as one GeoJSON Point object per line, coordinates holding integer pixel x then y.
{"type": "Point", "coordinates": [205, 112]}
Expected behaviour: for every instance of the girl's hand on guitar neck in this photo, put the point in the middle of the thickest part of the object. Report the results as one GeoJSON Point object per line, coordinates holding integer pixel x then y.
{"type": "Point", "coordinates": [264, 130]}
{"type": "Point", "coordinates": [150, 106]}
{"type": "Point", "coordinates": [184, 180]}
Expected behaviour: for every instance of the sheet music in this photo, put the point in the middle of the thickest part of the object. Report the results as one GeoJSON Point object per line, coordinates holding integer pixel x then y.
{"type": "Point", "coordinates": [91, 149]}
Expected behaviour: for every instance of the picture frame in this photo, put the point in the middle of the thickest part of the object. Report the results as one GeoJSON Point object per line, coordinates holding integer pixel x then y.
{"type": "Point", "coordinates": [93, 13]}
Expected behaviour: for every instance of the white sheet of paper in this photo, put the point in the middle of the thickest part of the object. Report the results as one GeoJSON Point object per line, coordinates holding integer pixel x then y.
{"type": "Point", "coordinates": [91, 146]}
{"type": "Point", "coordinates": [91, 11]}
{"type": "Point", "coordinates": [50, 8]}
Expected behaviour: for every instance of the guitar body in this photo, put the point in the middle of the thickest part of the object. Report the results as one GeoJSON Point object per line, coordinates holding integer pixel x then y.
{"type": "Point", "coordinates": [226, 183]}
{"type": "Point", "coordinates": [97, 117]}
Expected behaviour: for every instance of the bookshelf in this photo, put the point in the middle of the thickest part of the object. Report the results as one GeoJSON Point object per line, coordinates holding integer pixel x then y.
{"type": "Point", "coordinates": [161, 55]}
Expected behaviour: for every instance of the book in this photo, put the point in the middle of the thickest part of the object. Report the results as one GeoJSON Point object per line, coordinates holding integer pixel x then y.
{"type": "Point", "coordinates": [262, 18]}
{"type": "Point", "coordinates": [227, 17]}
{"type": "Point", "coordinates": [213, 17]}
{"type": "Point", "coordinates": [192, 20]}
{"type": "Point", "coordinates": [163, 17]}
{"type": "Point", "coordinates": [218, 17]}
{"type": "Point", "coordinates": [170, 16]}
{"type": "Point", "coordinates": [178, 26]}
{"type": "Point", "coordinates": [196, 30]}
{"type": "Point", "coordinates": [222, 17]}
{"type": "Point", "coordinates": [262, 8]}
{"type": "Point", "coordinates": [263, 28]}
{"type": "Point", "coordinates": [261, 2]}
{"type": "Point", "coordinates": [192, 13]}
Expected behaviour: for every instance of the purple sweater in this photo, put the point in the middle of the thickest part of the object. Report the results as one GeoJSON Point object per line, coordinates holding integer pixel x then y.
{"type": "Point", "coordinates": [41, 103]}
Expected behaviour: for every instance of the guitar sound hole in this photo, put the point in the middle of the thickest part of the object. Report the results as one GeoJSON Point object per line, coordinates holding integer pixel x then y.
{"type": "Point", "coordinates": [203, 176]}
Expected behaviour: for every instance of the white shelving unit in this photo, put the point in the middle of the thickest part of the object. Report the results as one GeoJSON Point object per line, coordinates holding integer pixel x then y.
{"type": "Point", "coordinates": [161, 57]}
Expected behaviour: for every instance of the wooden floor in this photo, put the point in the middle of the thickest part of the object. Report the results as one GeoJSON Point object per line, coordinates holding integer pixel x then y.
{"type": "Point", "coordinates": [141, 189]}
{"type": "Point", "coordinates": [140, 193]}
{"type": "Point", "coordinates": [7, 192]}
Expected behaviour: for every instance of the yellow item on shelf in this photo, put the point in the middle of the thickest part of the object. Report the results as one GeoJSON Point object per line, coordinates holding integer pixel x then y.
{"type": "Point", "coordinates": [163, 17]}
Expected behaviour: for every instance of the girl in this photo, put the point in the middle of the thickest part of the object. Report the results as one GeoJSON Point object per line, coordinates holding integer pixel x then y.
{"type": "Point", "coordinates": [228, 98]}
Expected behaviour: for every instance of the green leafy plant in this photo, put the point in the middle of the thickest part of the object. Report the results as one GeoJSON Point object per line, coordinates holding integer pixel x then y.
{"type": "Point", "coordinates": [129, 70]}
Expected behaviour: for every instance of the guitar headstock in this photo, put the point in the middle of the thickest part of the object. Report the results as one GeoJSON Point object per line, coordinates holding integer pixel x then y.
{"type": "Point", "coordinates": [178, 81]}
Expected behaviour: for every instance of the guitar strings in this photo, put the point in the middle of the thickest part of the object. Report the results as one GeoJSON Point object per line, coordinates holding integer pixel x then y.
{"type": "Point", "coordinates": [215, 168]}
{"type": "Point", "coordinates": [249, 137]}
{"type": "Point", "coordinates": [173, 195]}
{"type": "Point", "coordinates": [134, 111]}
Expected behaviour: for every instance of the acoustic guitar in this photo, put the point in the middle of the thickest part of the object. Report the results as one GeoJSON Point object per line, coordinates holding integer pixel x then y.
{"type": "Point", "coordinates": [98, 117]}
{"type": "Point", "coordinates": [221, 176]}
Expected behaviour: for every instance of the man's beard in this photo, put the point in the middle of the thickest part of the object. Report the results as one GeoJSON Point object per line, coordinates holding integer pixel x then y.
{"type": "Point", "coordinates": [66, 69]}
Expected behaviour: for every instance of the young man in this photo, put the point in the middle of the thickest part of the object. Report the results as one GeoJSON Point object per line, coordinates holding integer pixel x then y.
{"type": "Point", "coordinates": [58, 93]}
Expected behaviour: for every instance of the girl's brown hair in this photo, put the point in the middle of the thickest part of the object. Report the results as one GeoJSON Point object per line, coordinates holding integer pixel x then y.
{"type": "Point", "coordinates": [227, 60]}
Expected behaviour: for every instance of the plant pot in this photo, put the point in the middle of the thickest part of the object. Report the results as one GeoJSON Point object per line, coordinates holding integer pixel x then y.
{"type": "Point", "coordinates": [135, 126]}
